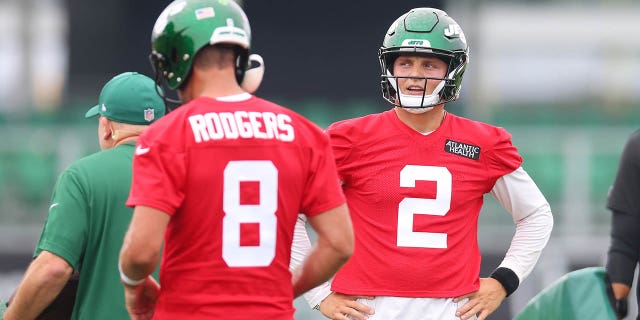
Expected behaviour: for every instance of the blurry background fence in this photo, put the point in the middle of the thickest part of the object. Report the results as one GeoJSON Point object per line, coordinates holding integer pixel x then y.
{"type": "Point", "coordinates": [574, 166]}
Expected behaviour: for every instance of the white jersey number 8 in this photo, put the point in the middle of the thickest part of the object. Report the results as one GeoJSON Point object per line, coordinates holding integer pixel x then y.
{"type": "Point", "coordinates": [263, 213]}
{"type": "Point", "coordinates": [410, 206]}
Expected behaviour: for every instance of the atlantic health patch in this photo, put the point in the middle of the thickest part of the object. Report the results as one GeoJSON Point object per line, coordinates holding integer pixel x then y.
{"type": "Point", "coordinates": [462, 149]}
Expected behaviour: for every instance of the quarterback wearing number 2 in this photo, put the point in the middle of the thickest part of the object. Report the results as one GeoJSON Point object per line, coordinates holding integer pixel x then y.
{"type": "Point", "coordinates": [222, 181]}
{"type": "Point", "coordinates": [415, 177]}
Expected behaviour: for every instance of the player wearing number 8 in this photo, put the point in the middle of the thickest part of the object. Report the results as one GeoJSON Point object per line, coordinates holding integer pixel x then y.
{"type": "Point", "coordinates": [222, 181]}
{"type": "Point", "coordinates": [415, 177]}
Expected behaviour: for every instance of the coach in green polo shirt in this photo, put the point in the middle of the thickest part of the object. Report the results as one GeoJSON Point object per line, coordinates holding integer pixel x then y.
{"type": "Point", "coordinates": [87, 217]}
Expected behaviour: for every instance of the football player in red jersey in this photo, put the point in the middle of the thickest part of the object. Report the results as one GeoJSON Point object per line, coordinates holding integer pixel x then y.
{"type": "Point", "coordinates": [415, 176]}
{"type": "Point", "coordinates": [222, 181]}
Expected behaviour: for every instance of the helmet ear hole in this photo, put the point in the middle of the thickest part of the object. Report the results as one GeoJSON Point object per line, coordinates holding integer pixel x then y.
{"type": "Point", "coordinates": [242, 62]}
{"type": "Point", "coordinates": [384, 84]}
{"type": "Point", "coordinates": [388, 92]}
{"type": "Point", "coordinates": [460, 59]}
{"type": "Point", "coordinates": [390, 59]}
{"type": "Point", "coordinates": [174, 55]}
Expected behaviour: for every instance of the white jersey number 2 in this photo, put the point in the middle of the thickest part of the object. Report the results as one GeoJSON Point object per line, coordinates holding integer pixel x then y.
{"type": "Point", "coordinates": [410, 206]}
{"type": "Point", "coordinates": [264, 213]}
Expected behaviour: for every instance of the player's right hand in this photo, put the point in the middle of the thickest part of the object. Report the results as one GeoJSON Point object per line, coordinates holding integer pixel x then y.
{"type": "Point", "coordinates": [483, 302]}
{"type": "Point", "coordinates": [339, 306]}
{"type": "Point", "coordinates": [141, 300]}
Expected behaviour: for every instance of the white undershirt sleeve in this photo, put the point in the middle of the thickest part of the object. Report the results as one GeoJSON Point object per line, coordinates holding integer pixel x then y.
{"type": "Point", "coordinates": [531, 212]}
{"type": "Point", "coordinates": [300, 247]}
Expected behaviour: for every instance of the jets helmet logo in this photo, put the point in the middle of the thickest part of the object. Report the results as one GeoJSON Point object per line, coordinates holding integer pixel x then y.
{"type": "Point", "coordinates": [454, 31]}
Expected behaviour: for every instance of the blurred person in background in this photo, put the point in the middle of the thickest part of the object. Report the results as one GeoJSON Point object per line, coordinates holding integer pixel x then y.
{"type": "Point", "coordinates": [88, 217]}
{"type": "Point", "coordinates": [415, 177]}
{"type": "Point", "coordinates": [221, 179]}
{"type": "Point", "coordinates": [624, 203]}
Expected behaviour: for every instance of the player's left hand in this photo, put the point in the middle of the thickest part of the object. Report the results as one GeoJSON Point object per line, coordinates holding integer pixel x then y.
{"type": "Point", "coordinates": [482, 302]}
{"type": "Point", "coordinates": [141, 300]}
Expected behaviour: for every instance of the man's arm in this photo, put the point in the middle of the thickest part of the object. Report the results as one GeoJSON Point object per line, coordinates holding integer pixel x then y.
{"type": "Point", "coordinates": [623, 252]}
{"type": "Point", "coordinates": [623, 257]}
{"type": "Point", "coordinates": [142, 243]}
{"type": "Point", "coordinates": [333, 248]}
{"type": "Point", "coordinates": [531, 212]}
{"type": "Point", "coordinates": [44, 279]}
{"type": "Point", "coordinates": [332, 305]}
{"type": "Point", "coordinates": [519, 194]}
{"type": "Point", "coordinates": [138, 259]}
{"type": "Point", "coordinates": [299, 249]}
{"type": "Point", "coordinates": [623, 202]}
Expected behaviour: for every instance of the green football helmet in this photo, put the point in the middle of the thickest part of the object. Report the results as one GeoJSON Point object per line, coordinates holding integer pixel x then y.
{"type": "Point", "coordinates": [186, 26]}
{"type": "Point", "coordinates": [424, 31]}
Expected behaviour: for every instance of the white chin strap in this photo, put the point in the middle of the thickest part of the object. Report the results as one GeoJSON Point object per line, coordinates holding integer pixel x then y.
{"type": "Point", "coordinates": [416, 104]}
{"type": "Point", "coordinates": [253, 76]}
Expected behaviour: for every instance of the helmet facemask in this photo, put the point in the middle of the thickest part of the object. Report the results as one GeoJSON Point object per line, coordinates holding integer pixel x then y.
{"type": "Point", "coordinates": [414, 103]}
{"type": "Point", "coordinates": [158, 65]}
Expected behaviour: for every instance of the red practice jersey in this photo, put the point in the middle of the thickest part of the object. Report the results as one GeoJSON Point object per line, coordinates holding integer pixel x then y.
{"type": "Point", "coordinates": [414, 201]}
{"type": "Point", "coordinates": [233, 176]}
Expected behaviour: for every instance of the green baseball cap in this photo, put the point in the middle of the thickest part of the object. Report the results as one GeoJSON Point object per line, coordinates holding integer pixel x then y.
{"type": "Point", "coordinates": [131, 98]}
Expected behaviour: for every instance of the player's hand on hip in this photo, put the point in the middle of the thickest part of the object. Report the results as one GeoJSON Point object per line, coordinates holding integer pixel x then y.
{"type": "Point", "coordinates": [141, 300]}
{"type": "Point", "coordinates": [482, 302]}
{"type": "Point", "coordinates": [338, 306]}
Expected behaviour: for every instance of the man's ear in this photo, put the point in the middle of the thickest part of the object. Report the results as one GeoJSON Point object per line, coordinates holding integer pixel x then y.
{"type": "Point", "coordinates": [105, 125]}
